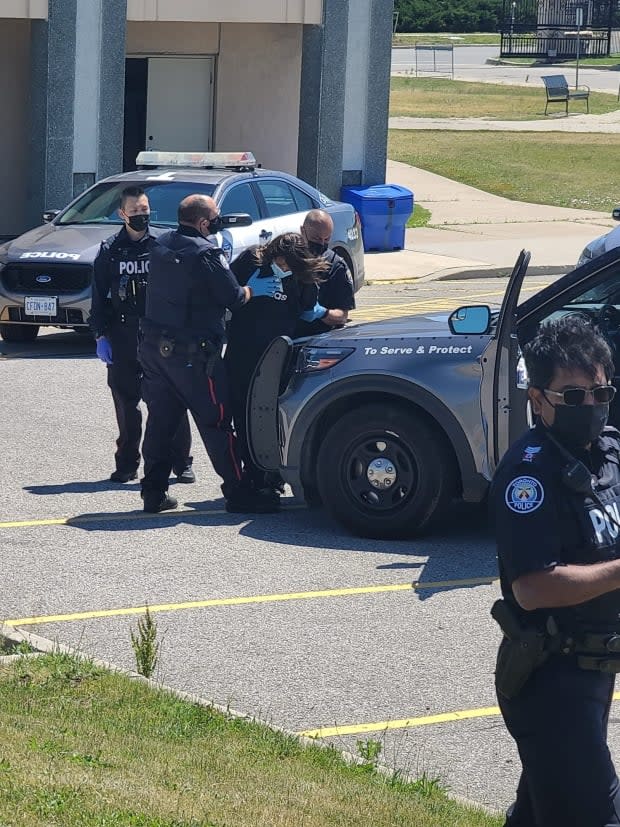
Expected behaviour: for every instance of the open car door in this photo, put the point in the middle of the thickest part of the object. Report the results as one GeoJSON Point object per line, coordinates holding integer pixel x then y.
{"type": "Point", "coordinates": [503, 402]}
{"type": "Point", "coordinates": [262, 410]}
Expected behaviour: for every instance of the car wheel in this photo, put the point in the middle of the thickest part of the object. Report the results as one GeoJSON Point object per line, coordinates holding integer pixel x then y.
{"type": "Point", "coordinates": [19, 332]}
{"type": "Point", "coordinates": [383, 472]}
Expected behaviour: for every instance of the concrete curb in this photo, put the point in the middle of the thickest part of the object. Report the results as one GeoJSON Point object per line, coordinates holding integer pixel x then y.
{"type": "Point", "coordinates": [460, 274]}
{"type": "Point", "coordinates": [46, 646]}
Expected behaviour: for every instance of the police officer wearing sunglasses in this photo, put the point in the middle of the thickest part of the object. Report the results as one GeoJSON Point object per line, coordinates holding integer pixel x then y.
{"type": "Point", "coordinates": [556, 502]}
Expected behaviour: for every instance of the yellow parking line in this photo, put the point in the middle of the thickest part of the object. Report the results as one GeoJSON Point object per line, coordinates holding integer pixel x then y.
{"type": "Point", "coordinates": [250, 599]}
{"type": "Point", "coordinates": [406, 723]}
{"type": "Point", "coordinates": [131, 515]}
{"type": "Point", "coordinates": [105, 518]}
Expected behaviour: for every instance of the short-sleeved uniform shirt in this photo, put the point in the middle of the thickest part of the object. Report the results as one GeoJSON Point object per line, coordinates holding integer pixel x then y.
{"type": "Point", "coordinates": [541, 523]}
{"type": "Point", "coordinates": [336, 291]}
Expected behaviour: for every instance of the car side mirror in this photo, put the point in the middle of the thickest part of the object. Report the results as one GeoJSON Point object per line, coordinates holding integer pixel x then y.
{"type": "Point", "coordinates": [615, 214]}
{"type": "Point", "coordinates": [236, 219]}
{"type": "Point", "coordinates": [50, 215]}
{"type": "Point", "coordinates": [472, 319]}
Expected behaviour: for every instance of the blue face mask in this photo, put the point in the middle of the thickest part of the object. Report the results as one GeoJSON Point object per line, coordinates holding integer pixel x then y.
{"type": "Point", "coordinates": [279, 272]}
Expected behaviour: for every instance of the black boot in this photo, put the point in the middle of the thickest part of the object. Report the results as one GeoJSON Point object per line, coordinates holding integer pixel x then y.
{"type": "Point", "coordinates": [154, 502]}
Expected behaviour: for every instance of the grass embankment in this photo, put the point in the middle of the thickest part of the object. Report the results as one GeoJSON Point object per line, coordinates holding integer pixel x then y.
{"type": "Point", "coordinates": [562, 169]}
{"type": "Point", "coordinates": [419, 217]}
{"type": "Point", "coordinates": [445, 38]}
{"type": "Point", "coordinates": [442, 98]}
{"type": "Point", "coordinates": [81, 747]}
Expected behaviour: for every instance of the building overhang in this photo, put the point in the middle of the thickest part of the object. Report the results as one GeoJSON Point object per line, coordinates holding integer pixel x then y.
{"type": "Point", "coordinates": [28, 9]}
{"type": "Point", "coordinates": [233, 11]}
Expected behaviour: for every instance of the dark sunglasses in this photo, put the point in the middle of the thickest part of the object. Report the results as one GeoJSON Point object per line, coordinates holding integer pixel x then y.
{"type": "Point", "coordinates": [573, 397]}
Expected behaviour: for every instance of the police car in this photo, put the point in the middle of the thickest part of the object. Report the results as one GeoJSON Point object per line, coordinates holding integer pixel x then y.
{"type": "Point", "coordinates": [386, 422]}
{"type": "Point", "coordinates": [602, 243]}
{"type": "Point", "coordinates": [45, 274]}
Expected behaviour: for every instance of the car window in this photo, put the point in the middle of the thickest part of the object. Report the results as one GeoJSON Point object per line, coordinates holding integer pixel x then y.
{"type": "Point", "coordinates": [278, 198]}
{"type": "Point", "coordinates": [303, 201]}
{"type": "Point", "coordinates": [240, 198]}
{"type": "Point", "coordinates": [99, 205]}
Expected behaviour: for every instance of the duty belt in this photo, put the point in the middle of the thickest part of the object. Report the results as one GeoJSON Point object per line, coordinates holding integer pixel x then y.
{"type": "Point", "coordinates": [599, 652]}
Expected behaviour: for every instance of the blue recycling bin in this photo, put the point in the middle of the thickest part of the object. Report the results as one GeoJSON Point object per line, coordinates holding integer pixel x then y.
{"type": "Point", "coordinates": [384, 210]}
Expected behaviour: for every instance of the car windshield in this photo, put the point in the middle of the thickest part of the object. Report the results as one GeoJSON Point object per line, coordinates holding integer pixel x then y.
{"type": "Point", "coordinates": [100, 204]}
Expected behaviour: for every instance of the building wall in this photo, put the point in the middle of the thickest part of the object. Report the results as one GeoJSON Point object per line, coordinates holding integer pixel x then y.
{"type": "Point", "coordinates": [148, 38]}
{"type": "Point", "coordinates": [229, 11]}
{"type": "Point", "coordinates": [14, 90]}
{"type": "Point", "coordinates": [258, 71]}
{"type": "Point", "coordinates": [258, 80]}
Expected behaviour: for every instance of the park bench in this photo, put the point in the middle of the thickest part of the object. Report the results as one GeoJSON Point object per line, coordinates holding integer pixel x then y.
{"type": "Point", "coordinates": [556, 87]}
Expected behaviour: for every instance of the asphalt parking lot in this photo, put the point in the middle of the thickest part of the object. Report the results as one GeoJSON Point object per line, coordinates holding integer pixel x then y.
{"type": "Point", "coordinates": [283, 616]}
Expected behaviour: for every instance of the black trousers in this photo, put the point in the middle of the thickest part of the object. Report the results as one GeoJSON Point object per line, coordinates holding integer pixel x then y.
{"type": "Point", "coordinates": [559, 722]}
{"type": "Point", "coordinates": [124, 381]}
{"type": "Point", "coordinates": [171, 386]}
{"type": "Point", "coordinates": [240, 367]}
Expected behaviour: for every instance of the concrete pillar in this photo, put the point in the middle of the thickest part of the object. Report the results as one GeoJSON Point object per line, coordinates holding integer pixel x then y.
{"type": "Point", "coordinates": [345, 95]}
{"type": "Point", "coordinates": [77, 83]}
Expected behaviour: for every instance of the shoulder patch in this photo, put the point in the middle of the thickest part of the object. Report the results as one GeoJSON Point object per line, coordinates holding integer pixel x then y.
{"type": "Point", "coordinates": [524, 495]}
{"type": "Point", "coordinates": [530, 452]}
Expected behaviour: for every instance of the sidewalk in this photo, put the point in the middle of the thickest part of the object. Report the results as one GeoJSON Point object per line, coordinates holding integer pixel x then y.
{"type": "Point", "coordinates": [475, 234]}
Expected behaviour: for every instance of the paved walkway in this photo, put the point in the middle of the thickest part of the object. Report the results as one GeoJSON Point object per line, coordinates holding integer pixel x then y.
{"type": "Point", "coordinates": [607, 123]}
{"type": "Point", "coordinates": [476, 234]}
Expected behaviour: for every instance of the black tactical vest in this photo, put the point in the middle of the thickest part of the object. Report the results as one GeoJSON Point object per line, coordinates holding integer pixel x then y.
{"type": "Point", "coordinates": [178, 298]}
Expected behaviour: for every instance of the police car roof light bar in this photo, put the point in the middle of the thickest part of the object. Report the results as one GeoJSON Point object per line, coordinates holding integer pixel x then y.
{"type": "Point", "coordinates": [198, 160]}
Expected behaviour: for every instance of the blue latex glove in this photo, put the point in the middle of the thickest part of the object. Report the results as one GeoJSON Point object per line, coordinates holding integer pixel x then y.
{"type": "Point", "coordinates": [104, 350]}
{"type": "Point", "coordinates": [317, 312]}
{"type": "Point", "coordinates": [268, 286]}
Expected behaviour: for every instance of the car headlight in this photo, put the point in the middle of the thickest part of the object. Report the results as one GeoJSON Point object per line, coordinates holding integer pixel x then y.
{"type": "Point", "coordinates": [312, 359]}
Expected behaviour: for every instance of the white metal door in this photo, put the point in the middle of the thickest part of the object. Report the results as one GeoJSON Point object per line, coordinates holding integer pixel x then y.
{"type": "Point", "coordinates": [179, 104]}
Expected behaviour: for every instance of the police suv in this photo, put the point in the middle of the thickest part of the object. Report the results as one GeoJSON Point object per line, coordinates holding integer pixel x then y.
{"type": "Point", "coordinates": [386, 422]}
{"type": "Point", "coordinates": [46, 273]}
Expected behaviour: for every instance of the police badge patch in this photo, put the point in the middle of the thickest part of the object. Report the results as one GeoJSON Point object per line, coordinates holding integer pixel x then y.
{"type": "Point", "coordinates": [524, 494]}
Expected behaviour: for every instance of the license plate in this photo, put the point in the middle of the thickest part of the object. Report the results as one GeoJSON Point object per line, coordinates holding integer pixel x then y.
{"type": "Point", "coordinates": [41, 305]}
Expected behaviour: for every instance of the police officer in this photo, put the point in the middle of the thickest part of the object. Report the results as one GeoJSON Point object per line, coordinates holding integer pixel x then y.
{"type": "Point", "coordinates": [556, 500]}
{"type": "Point", "coordinates": [120, 275]}
{"type": "Point", "coordinates": [336, 293]}
{"type": "Point", "coordinates": [190, 286]}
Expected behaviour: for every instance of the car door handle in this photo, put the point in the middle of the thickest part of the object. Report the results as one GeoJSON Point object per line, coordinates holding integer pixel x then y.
{"type": "Point", "coordinates": [264, 235]}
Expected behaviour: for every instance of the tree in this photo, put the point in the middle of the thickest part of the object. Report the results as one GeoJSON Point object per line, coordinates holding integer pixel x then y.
{"type": "Point", "coordinates": [448, 15]}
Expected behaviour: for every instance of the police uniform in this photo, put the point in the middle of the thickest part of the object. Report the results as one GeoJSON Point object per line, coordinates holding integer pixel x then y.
{"type": "Point", "coordinates": [559, 716]}
{"type": "Point", "coordinates": [121, 271]}
{"type": "Point", "coordinates": [250, 331]}
{"type": "Point", "coordinates": [335, 292]}
{"type": "Point", "coordinates": [190, 286]}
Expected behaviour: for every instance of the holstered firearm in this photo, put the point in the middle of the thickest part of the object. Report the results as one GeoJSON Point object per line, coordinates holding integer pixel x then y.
{"type": "Point", "coordinates": [523, 650]}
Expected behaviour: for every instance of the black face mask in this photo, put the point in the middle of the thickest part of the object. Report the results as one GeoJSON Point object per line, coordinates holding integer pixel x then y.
{"type": "Point", "coordinates": [317, 248]}
{"type": "Point", "coordinates": [139, 223]}
{"type": "Point", "coordinates": [576, 427]}
{"type": "Point", "coordinates": [216, 224]}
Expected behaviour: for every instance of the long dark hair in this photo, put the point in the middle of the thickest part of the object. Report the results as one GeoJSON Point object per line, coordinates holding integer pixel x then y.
{"type": "Point", "coordinates": [307, 269]}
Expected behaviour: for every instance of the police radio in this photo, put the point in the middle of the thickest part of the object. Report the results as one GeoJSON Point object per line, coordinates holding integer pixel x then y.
{"type": "Point", "coordinates": [577, 477]}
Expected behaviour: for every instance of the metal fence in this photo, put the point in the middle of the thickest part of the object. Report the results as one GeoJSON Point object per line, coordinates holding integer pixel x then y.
{"type": "Point", "coordinates": [550, 43]}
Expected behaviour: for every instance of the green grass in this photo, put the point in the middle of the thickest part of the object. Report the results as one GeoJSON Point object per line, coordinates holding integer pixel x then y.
{"type": "Point", "coordinates": [562, 169]}
{"type": "Point", "coordinates": [82, 747]}
{"type": "Point", "coordinates": [419, 217]}
{"type": "Point", "coordinates": [442, 98]}
{"type": "Point", "coordinates": [467, 39]}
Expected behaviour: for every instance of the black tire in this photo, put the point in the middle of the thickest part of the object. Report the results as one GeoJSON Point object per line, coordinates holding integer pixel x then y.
{"type": "Point", "coordinates": [19, 332]}
{"type": "Point", "coordinates": [414, 457]}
